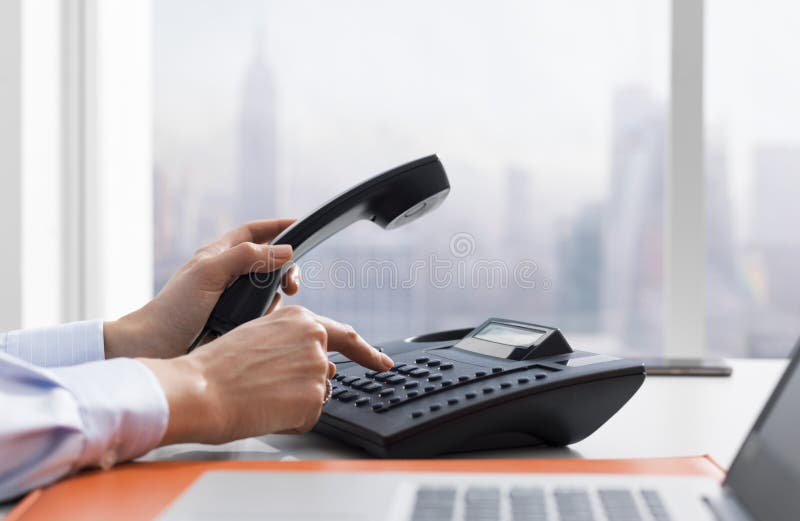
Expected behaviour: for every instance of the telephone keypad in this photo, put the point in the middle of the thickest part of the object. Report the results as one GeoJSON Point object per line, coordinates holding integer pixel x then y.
{"type": "Point", "coordinates": [389, 389]}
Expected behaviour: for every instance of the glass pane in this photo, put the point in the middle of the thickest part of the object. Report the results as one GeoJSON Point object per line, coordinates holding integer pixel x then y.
{"type": "Point", "coordinates": [548, 116]}
{"type": "Point", "coordinates": [753, 175]}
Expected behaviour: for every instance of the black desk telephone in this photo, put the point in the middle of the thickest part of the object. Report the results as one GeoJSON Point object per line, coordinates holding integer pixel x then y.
{"type": "Point", "coordinates": [505, 383]}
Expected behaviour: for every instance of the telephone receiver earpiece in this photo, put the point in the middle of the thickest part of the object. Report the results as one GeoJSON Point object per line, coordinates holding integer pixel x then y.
{"type": "Point", "coordinates": [390, 200]}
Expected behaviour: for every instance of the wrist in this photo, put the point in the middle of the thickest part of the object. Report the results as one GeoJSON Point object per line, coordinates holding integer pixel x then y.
{"type": "Point", "coordinates": [131, 336]}
{"type": "Point", "coordinates": [186, 389]}
{"type": "Point", "coordinates": [116, 341]}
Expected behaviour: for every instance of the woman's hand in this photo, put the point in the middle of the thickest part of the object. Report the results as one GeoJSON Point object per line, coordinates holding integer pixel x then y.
{"type": "Point", "coordinates": [265, 376]}
{"type": "Point", "coordinates": [166, 326]}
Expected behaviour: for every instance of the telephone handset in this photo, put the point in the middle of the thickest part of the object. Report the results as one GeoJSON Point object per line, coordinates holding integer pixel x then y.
{"type": "Point", "coordinates": [390, 200]}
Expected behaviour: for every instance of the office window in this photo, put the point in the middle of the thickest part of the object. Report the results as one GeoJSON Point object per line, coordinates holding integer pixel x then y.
{"type": "Point", "coordinates": [753, 176]}
{"type": "Point", "coordinates": [549, 117]}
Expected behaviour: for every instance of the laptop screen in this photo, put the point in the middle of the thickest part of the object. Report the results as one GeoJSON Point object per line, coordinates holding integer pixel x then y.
{"type": "Point", "coordinates": [766, 473]}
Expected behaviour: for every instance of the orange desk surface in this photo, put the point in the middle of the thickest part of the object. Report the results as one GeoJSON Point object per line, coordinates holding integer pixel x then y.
{"type": "Point", "coordinates": [143, 490]}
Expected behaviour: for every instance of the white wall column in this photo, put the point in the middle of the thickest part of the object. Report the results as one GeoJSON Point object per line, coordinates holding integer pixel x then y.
{"type": "Point", "coordinates": [10, 164]}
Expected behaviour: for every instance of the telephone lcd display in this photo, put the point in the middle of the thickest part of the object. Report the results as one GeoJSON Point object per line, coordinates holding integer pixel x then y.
{"type": "Point", "coordinates": [509, 335]}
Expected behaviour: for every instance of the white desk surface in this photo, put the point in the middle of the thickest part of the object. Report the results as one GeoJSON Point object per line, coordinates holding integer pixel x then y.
{"type": "Point", "coordinates": [668, 416]}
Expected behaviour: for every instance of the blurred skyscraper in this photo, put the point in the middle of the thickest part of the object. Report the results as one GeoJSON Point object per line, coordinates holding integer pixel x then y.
{"type": "Point", "coordinates": [632, 267]}
{"type": "Point", "coordinates": [773, 235]}
{"type": "Point", "coordinates": [257, 172]}
{"type": "Point", "coordinates": [579, 298]}
{"type": "Point", "coordinates": [726, 294]}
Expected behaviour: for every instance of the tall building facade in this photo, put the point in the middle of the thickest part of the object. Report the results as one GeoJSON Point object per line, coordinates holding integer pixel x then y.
{"type": "Point", "coordinates": [257, 169]}
{"type": "Point", "coordinates": [632, 266]}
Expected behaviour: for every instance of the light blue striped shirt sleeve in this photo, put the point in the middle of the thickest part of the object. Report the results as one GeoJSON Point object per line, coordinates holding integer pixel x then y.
{"type": "Point", "coordinates": [56, 346]}
{"type": "Point", "coordinates": [65, 408]}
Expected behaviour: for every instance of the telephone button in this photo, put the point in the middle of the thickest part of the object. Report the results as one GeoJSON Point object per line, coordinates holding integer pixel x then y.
{"type": "Point", "coordinates": [395, 399]}
{"type": "Point", "coordinates": [360, 384]}
{"type": "Point", "coordinates": [371, 387]}
{"type": "Point", "coordinates": [350, 379]}
{"type": "Point", "coordinates": [339, 377]}
{"type": "Point", "coordinates": [523, 380]}
{"type": "Point", "coordinates": [411, 385]}
{"type": "Point", "coordinates": [540, 376]}
{"type": "Point", "coordinates": [397, 367]}
{"type": "Point", "coordinates": [370, 374]}
{"type": "Point", "coordinates": [505, 385]}
{"type": "Point", "coordinates": [421, 360]}
{"type": "Point", "coordinates": [377, 407]}
{"type": "Point", "coordinates": [338, 392]}
{"type": "Point", "coordinates": [386, 392]}
{"type": "Point", "coordinates": [480, 373]}
{"type": "Point", "coordinates": [435, 407]}
{"type": "Point", "coordinates": [419, 372]}
{"type": "Point", "coordinates": [362, 401]}
{"type": "Point", "coordinates": [347, 396]}
{"type": "Point", "coordinates": [411, 394]}
{"type": "Point", "coordinates": [488, 390]}
{"type": "Point", "coordinates": [434, 377]}
{"type": "Point", "coordinates": [429, 388]}
{"type": "Point", "coordinates": [417, 414]}
{"type": "Point", "coordinates": [452, 401]}
{"type": "Point", "coordinates": [463, 378]}
{"type": "Point", "coordinates": [446, 366]}
{"type": "Point", "coordinates": [445, 383]}
{"type": "Point", "coordinates": [470, 395]}
{"type": "Point", "coordinates": [381, 377]}
{"type": "Point", "coordinates": [396, 379]}
{"type": "Point", "coordinates": [434, 363]}
{"type": "Point", "coordinates": [407, 369]}
{"type": "Point", "coordinates": [497, 369]}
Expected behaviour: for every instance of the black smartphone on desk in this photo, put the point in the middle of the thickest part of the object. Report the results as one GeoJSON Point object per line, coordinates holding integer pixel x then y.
{"type": "Point", "coordinates": [660, 366]}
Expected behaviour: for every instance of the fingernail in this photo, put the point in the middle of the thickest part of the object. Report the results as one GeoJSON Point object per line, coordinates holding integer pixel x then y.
{"type": "Point", "coordinates": [388, 363]}
{"type": "Point", "coordinates": [281, 251]}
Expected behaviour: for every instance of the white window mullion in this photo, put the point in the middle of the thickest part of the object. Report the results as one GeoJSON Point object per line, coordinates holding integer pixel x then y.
{"type": "Point", "coordinates": [107, 207]}
{"type": "Point", "coordinates": [684, 232]}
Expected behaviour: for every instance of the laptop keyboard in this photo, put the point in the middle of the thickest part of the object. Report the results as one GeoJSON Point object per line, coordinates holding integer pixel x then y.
{"type": "Point", "coordinates": [536, 504]}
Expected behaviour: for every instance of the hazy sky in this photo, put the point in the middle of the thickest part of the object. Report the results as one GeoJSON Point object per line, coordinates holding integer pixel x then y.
{"type": "Point", "coordinates": [368, 84]}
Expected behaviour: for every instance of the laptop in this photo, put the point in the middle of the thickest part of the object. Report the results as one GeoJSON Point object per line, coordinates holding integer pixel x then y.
{"type": "Point", "coordinates": [763, 484]}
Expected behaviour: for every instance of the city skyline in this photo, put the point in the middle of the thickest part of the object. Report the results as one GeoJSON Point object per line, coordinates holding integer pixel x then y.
{"type": "Point", "coordinates": [597, 244]}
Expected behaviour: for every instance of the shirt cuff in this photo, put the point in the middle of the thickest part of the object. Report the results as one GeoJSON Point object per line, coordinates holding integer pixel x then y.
{"type": "Point", "coordinates": [123, 408]}
{"type": "Point", "coordinates": [58, 346]}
